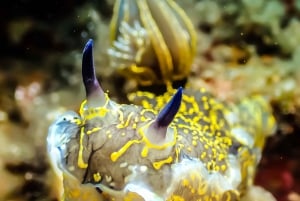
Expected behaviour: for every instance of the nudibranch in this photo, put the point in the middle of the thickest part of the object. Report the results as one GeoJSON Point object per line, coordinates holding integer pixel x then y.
{"type": "Point", "coordinates": [152, 41]}
{"type": "Point", "coordinates": [182, 146]}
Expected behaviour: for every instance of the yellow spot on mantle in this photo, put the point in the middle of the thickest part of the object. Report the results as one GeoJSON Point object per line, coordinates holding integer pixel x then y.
{"type": "Point", "coordinates": [176, 198]}
{"type": "Point", "coordinates": [97, 177]}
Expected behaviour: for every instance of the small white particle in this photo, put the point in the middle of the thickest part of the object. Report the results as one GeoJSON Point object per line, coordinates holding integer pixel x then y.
{"type": "Point", "coordinates": [28, 176]}
{"type": "Point", "coordinates": [71, 168]}
{"type": "Point", "coordinates": [143, 168]}
{"type": "Point", "coordinates": [112, 184]}
{"type": "Point", "coordinates": [123, 165]}
{"type": "Point", "coordinates": [108, 178]}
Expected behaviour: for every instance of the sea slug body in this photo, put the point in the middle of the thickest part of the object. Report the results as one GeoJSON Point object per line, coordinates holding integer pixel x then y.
{"type": "Point", "coordinates": [184, 145]}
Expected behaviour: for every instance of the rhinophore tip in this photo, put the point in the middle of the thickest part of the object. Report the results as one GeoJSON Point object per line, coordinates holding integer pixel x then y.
{"type": "Point", "coordinates": [167, 114]}
{"type": "Point", "coordinates": [94, 93]}
{"type": "Point", "coordinates": [157, 131]}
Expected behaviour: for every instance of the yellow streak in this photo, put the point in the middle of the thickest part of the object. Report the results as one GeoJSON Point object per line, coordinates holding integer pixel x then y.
{"type": "Point", "coordinates": [126, 123]}
{"type": "Point", "coordinates": [115, 155]}
{"type": "Point", "coordinates": [80, 162]}
{"type": "Point", "coordinates": [157, 165]}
